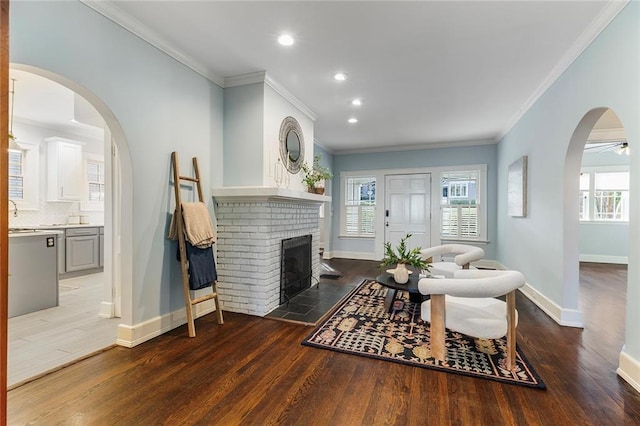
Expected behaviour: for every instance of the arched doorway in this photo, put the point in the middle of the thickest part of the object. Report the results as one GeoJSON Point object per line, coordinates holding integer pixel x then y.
{"type": "Point", "coordinates": [116, 292]}
{"type": "Point", "coordinates": [574, 209]}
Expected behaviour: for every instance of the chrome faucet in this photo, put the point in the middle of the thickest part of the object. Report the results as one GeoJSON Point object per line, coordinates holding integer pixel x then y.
{"type": "Point", "coordinates": [15, 208]}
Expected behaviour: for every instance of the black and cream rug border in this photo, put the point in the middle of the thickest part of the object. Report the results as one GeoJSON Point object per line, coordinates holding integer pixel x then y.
{"type": "Point", "coordinates": [361, 326]}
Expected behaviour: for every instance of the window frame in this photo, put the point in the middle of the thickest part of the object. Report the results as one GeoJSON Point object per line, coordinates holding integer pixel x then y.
{"type": "Point", "coordinates": [591, 191]}
{"type": "Point", "coordinates": [481, 203]}
{"type": "Point", "coordinates": [86, 204]}
{"type": "Point", "coordinates": [30, 176]}
{"type": "Point", "coordinates": [344, 182]}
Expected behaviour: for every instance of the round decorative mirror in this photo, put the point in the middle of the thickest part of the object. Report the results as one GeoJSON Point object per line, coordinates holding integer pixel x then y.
{"type": "Point", "coordinates": [291, 144]}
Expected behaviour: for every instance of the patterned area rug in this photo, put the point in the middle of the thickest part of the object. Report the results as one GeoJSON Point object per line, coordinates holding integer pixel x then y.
{"type": "Point", "coordinates": [360, 326]}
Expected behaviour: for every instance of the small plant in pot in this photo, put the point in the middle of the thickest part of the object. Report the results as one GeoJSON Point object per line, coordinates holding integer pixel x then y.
{"type": "Point", "coordinates": [314, 176]}
{"type": "Point", "coordinates": [401, 257]}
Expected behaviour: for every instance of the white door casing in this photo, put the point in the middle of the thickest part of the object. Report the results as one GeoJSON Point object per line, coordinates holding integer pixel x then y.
{"type": "Point", "coordinates": [408, 209]}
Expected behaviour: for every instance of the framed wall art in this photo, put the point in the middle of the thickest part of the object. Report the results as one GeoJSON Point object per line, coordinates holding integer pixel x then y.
{"type": "Point", "coordinates": [517, 188]}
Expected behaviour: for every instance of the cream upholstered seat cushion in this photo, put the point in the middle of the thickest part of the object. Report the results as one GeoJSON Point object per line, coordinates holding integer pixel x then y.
{"type": "Point", "coordinates": [445, 269]}
{"type": "Point", "coordinates": [485, 318]}
{"type": "Point", "coordinates": [467, 304]}
{"type": "Point", "coordinates": [470, 306]}
{"type": "Point", "coordinates": [465, 254]}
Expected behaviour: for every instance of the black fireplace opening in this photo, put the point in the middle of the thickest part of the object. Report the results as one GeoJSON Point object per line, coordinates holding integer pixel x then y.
{"type": "Point", "coordinates": [295, 268]}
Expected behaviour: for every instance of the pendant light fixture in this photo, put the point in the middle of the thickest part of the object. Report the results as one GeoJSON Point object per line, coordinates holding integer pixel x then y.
{"type": "Point", "coordinates": [12, 139]}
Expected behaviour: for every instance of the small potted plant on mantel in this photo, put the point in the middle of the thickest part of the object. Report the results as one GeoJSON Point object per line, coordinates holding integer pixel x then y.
{"type": "Point", "coordinates": [401, 257]}
{"type": "Point", "coordinates": [315, 175]}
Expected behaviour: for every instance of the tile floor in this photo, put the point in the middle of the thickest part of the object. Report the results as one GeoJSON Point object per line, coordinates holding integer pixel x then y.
{"type": "Point", "coordinates": [48, 339]}
{"type": "Point", "coordinates": [313, 303]}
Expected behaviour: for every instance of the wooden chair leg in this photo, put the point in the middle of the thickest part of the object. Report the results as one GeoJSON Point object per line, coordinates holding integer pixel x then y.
{"type": "Point", "coordinates": [438, 326]}
{"type": "Point", "coordinates": [511, 330]}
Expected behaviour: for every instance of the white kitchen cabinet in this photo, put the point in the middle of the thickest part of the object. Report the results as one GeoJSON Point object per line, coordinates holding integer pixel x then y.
{"type": "Point", "coordinates": [82, 249]}
{"type": "Point", "coordinates": [64, 169]}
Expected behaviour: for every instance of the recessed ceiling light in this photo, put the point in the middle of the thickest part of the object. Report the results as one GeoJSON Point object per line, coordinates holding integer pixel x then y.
{"type": "Point", "coordinates": [356, 102]}
{"type": "Point", "coordinates": [286, 40]}
{"type": "Point", "coordinates": [353, 120]}
{"type": "Point", "coordinates": [340, 76]}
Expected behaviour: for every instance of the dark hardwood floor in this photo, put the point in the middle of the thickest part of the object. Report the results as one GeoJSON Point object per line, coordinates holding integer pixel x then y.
{"type": "Point", "coordinates": [254, 371]}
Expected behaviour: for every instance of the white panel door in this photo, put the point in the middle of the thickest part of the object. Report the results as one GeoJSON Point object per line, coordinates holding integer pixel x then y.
{"type": "Point", "coordinates": [408, 209]}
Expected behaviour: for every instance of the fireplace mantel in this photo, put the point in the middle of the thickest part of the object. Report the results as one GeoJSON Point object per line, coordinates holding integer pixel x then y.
{"type": "Point", "coordinates": [266, 193]}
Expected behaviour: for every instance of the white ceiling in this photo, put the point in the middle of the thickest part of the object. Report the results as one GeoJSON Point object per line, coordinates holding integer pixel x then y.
{"type": "Point", "coordinates": [430, 72]}
{"type": "Point", "coordinates": [42, 102]}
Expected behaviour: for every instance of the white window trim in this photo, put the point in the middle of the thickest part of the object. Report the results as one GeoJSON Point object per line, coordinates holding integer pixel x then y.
{"type": "Point", "coordinates": [31, 175]}
{"type": "Point", "coordinates": [436, 225]}
{"type": "Point", "coordinates": [85, 204]}
{"type": "Point", "coordinates": [592, 170]}
{"type": "Point", "coordinates": [343, 216]}
{"type": "Point", "coordinates": [481, 197]}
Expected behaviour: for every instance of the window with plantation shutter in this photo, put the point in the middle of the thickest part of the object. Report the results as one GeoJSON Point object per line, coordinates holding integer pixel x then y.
{"type": "Point", "coordinates": [95, 179]}
{"type": "Point", "coordinates": [360, 203]}
{"type": "Point", "coordinates": [460, 205]}
{"type": "Point", "coordinates": [16, 175]}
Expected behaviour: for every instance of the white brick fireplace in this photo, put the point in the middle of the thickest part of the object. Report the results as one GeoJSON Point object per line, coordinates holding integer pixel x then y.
{"type": "Point", "coordinates": [251, 224]}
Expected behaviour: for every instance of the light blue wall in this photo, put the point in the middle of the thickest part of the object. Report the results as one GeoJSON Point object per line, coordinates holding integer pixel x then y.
{"type": "Point", "coordinates": [605, 75]}
{"type": "Point", "coordinates": [326, 160]}
{"type": "Point", "coordinates": [160, 104]}
{"type": "Point", "coordinates": [604, 242]}
{"type": "Point", "coordinates": [435, 157]}
{"type": "Point", "coordinates": [601, 241]}
{"type": "Point", "coordinates": [243, 135]}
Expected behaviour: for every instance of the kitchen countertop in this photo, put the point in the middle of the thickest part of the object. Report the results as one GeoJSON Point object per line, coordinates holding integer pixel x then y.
{"type": "Point", "coordinates": [65, 226]}
{"type": "Point", "coordinates": [55, 229]}
{"type": "Point", "coordinates": [31, 232]}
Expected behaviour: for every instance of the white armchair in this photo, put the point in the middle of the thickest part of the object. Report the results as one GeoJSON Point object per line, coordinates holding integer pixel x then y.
{"type": "Point", "coordinates": [467, 304]}
{"type": "Point", "coordinates": [465, 254]}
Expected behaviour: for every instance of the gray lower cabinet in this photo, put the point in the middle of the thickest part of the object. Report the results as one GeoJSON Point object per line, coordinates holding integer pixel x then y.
{"type": "Point", "coordinates": [101, 247]}
{"type": "Point", "coordinates": [82, 249]}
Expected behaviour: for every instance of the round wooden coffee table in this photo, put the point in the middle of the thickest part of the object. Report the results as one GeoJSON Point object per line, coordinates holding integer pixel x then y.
{"type": "Point", "coordinates": [411, 287]}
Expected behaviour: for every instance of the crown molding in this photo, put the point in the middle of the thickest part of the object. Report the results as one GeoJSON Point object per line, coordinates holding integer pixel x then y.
{"type": "Point", "coordinates": [426, 145]}
{"type": "Point", "coordinates": [119, 17]}
{"type": "Point", "coordinates": [244, 79]}
{"type": "Point", "coordinates": [290, 97]}
{"type": "Point", "coordinates": [324, 148]}
{"type": "Point", "coordinates": [607, 135]}
{"type": "Point", "coordinates": [78, 130]}
{"type": "Point", "coordinates": [600, 22]}
{"type": "Point", "coordinates": [263, 77]}
{"type": "Point", "coordinates": [112, 12]}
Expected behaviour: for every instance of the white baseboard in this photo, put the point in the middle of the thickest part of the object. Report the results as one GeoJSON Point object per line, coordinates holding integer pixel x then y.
{"type": "Point", "coordinates": [355, 255]}
{"type": "Point", "coordinates": [107, 310]}
{"type": "Point", "coordinates": [327, 255]}
{"type": "Point", "coordinates": [598, 258]}
{"type": "Point", "coordinates": [565, 317]}
{"type": "Point", "coordinates": [130, 336]}
{"type": "Point", "coordinates": [629, 370]}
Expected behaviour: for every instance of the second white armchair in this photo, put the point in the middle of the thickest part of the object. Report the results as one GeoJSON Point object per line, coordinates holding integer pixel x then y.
{"type": "Point", "coordinates": [463, 256]}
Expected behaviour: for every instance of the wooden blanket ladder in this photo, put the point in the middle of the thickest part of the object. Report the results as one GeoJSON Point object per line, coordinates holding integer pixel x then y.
{"type": "Point", "coordinates": [189, 302]}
